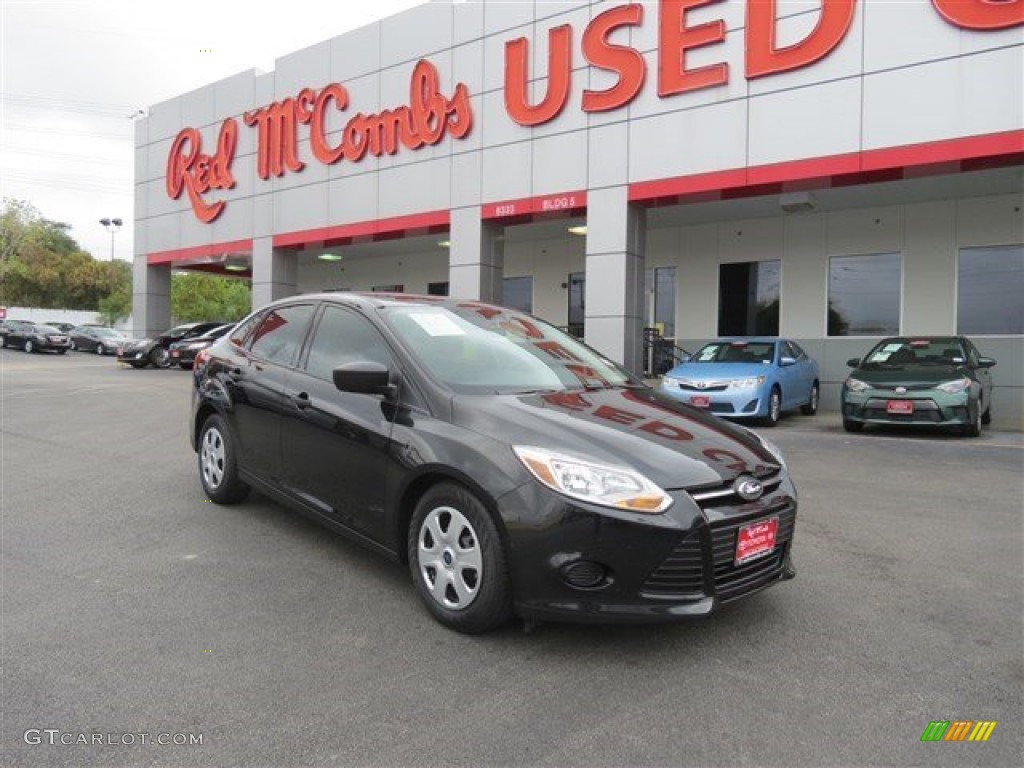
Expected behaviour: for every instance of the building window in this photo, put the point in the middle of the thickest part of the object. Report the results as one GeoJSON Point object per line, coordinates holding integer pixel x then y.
{"type": "Point", "coordinates": [665, 301]}
{"type": "Point", "coordinates": [518, 293]}
{"type": "Point", "coordinates": [864, 295]}
{"type": "Point", "coordinates": [748, 298]}
{"type": "Point", "coordinates": [577, 307]}
{"type": "Point", "coordinates": [437, 289]}
{"type": "Point", "coordinates": [394, 288]}
{"type": "Point", "coordinates": [990, 290]}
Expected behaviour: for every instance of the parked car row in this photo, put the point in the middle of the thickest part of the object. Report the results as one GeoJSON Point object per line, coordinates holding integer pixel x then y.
{"type": "Point", "coordinates": [176, 346]}
{"type": "Point", "coordinates": [920, 380]}
{"type": "Point", "coordinates": [33, 337]}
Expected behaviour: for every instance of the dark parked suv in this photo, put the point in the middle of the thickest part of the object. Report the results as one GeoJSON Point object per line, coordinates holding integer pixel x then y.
{"type": "Point", "coordinates": [514, 469]}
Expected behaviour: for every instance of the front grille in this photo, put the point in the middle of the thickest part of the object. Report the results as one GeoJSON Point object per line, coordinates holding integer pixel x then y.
{"type": "Point", "coordinates": [732, 581]}
{"type": "Point", "coordinates": [715, 495]}
{"type": "Point", "coordinates": [714, 387]}
{"type": "Point", "coordinates": [681, 573]}
{"type": "Point", "coordinates": [906, 387]}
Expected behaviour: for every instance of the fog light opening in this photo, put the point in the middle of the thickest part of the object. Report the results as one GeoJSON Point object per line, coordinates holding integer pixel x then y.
{"type": "Point", "coordinates": [585, 574]}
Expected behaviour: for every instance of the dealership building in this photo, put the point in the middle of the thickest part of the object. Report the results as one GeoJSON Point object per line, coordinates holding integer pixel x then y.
{"type": "Point", "coordinates": [831, 171]}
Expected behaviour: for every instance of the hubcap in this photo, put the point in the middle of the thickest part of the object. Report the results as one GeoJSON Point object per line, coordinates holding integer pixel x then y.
{"type": "Point", "coordinates": [212, 458]}
{"type": "Point", "coordinates": [774, 406]}
{"type": "Point", "coordinates": [450, 560]}
{"type": "Point", "coordinates": [814, 398]}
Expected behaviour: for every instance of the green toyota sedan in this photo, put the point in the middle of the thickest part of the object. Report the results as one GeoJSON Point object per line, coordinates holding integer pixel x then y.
{"type": "Point", "coordinates": [920, 380]}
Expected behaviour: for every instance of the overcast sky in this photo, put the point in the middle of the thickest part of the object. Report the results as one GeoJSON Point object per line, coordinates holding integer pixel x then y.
{"type": "Point", "coordinates": [74, 72]}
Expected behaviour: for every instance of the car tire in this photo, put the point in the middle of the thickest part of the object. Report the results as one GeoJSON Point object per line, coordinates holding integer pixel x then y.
{"type": "Point", "coordinates": [774, 408]}
{"type": "Point", "coordinates": [458, 562]}
{"type": "Point", "coordinates": [160, 357]}
{"type": "Point", "coordinates": [812, 405]}
{"type": "Point", "coordinates": [986, 417]}
{"type": "Point", "coordinates": [218, 467]}
{"type": "Point", "coordinates": [974, 428]}
{"type": "Point", "coordinates": [99, 349]}
{"type": "Point", "coordinates": [29, 346]}
{"type": "Point", "coordinates": [852, 426]}
{"type": "Point", "coordinates": [71, 346]}
{"type": "Point", "coordinates": [137, 365]}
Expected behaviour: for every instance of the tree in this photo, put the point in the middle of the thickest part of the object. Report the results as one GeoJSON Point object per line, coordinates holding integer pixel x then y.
{"type": "Point", "coordinates": [43, 266]}
{"type": "Point", "coordinates": [197, 297]}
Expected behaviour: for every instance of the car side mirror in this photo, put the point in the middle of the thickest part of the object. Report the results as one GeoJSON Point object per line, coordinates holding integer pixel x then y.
{"type": "Point", "coordinates": [363, 377]}
{"type": "Point", "coordinates": [787, 361]}
{"type": "Point", "coordinates": [986, 362]}
{"type": "Point", "coordinates": [853, 362]}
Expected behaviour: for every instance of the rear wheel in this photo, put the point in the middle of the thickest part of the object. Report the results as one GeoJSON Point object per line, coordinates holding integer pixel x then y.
{"type": "Point", "coordinates": [159, 357]}
{"type": "Point", "coordinates": [218, 468]}
{"type": "Point", "coordinates": [811, 407]}
{"type": "Point", "coordinates": [458, 562]}
{"type": "Point", "coordinates": [774, 408]}
{"type": "Point", "coordinates": [852, 426]}
{"type": "Point", "coordinates": [71, 346]}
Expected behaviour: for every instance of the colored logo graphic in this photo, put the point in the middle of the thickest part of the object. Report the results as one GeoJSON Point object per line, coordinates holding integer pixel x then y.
{"type": "Point", "coordinates": [958, 730]}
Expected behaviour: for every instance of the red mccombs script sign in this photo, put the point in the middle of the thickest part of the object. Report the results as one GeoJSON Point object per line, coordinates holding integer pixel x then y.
{"type": "Point", "coordinates": [430, 115]}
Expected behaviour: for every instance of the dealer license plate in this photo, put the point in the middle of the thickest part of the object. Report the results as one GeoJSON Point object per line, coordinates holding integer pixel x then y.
{"type": "Point", "coordinates": [899, 406]}
{"type": "Point", "coordinates": [756, 540]}
{"type": "Point", "coordinates": [175, 353]}
{"type": "Point", "coordinates": [700, 401]}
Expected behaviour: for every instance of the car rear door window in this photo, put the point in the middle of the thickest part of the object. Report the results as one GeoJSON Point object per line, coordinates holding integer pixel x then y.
{"type": "Point", "coordinates": [341, 337]}
{"type": "Point", "coordinates": [279, 337]}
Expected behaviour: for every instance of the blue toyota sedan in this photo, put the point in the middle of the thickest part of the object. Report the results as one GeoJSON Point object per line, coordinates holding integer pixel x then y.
{"type": "Point", "coordinates": [749, 378]}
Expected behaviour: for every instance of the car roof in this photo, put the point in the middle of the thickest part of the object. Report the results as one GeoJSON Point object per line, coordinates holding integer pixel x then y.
{"type": "Point", "coordinates": [747, 339]}
{"type": "Point", "coordinates": [374, 300]}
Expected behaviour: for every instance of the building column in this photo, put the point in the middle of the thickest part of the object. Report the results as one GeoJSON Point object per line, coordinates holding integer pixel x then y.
{"type": "Point", "coordinates": [476, 258]}
{"type": "Point", "coordinates": [274, 272]}
{"type": "Point", "coordinates": [614, 313]}
{"type": "Point", "coordinates": [151, 298]}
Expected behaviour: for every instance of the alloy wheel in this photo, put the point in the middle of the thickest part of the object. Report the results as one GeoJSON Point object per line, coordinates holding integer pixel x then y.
{"type": "Point", "coordinates": [450, 559]}
{"type": "Point", "coordinates": [212, 458]}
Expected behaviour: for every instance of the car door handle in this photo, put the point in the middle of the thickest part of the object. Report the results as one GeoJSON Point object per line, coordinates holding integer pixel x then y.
{"type": "Point", "coordinates": [300, 399]}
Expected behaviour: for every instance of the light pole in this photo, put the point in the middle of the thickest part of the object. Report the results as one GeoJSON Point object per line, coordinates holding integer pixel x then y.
{"type": "Point", "coordinates": [111, 225]}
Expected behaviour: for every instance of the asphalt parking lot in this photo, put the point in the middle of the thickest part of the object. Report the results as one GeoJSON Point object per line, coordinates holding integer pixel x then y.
{"type": "Point", "coordinates": [131, 605]}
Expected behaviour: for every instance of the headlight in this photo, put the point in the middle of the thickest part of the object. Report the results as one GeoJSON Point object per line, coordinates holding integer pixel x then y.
{"type": "Point", "coordinates": [618, 487]}
{"type": "Point", "coordinates": [856, 385]}
{"type": "Point", "coordinates": [754, 381]}
{"type": "Point", "coordinates": [954, 387]}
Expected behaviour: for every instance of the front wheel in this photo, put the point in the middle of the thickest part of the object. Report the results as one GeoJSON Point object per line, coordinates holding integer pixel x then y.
{"type": "Point", "coordinates": [29, 346]}
{"type": "Point", "coordinates": [99, 349]}
{"type": "Point", "coordinates": [986, 417]}
{"type": "Point", "coordinates": [61, 351]}
{"type": "Point", "coordinates": [218, 468]}
{"type": "Point", "coordinates": [811, 407]}
{"type": "Point", "coordinates": [974, 428]}
{"type": "Point", "coordinates": [458, 562]}
{"type": "Point", "coordinates": [774, 408]}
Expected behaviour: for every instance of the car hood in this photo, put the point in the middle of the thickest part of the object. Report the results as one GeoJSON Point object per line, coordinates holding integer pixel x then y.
{"type": "Point", "coordinates": [136, 343]}
{"type": "Point", "coordinates": [717, 371]}
{"type": "Point", "coordinates": [674, 445]}
{"type": "Point", "coordinates": [910, 375]}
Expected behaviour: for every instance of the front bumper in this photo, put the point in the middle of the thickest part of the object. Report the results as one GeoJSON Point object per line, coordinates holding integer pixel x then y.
{"type": "Point", "coordinates": [656, 568]}
{"type": "Point", "coordinates": [930, 407]}
{"type": "Point", "coordinates": [750, 403]}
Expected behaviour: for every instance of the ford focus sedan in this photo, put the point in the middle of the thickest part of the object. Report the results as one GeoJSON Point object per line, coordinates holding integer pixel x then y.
{"type": "Point", "coordinates": [514, 470]}
{"type": "Point", "coordinates": [747, 379]}
{"type": "Point", "coordinates": [922, 381]}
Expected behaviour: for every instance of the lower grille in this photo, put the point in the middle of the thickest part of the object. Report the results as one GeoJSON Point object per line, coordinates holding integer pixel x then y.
{"type": "Point", "coordinates": [681, 573]}
{"type": "Point", "coordinates": [733, 581]}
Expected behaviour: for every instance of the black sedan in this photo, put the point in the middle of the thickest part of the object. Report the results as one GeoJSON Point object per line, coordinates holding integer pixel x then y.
{"type": "Point", "coordinates": [183, 353]}
{"type": "Point", "coordinates": [34, 337]}
{"type": "Point", "coordinates": [139, 353]}
{"type": "Point", "coordinates": [98, 339]}
{"type": "Point", "coordinates": [515, 470]}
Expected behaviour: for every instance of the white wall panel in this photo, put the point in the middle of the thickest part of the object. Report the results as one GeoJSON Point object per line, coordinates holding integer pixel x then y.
{"type": "Point", "coordinates": [416, 188]}
{"type": "Point", "coordinates": [308, 68]}
{"type": "Point", "coordinates": [421, 31]}
{"type": "Point", "coordinates": [494, 52]}
{"type": "Point", "coordinates": [467, 22]}
{"type": "Point", "coordinates": [300, 208]}
{"type": "Point", "coordinates": [353, 199]}
{"type": "Point", "coordinates": [503, 177]}
{"type": "Point", "coordinates": [865, 230]}
{"type": "Point", "coordinates": [198, 108]}
{"type": "Point", "coordinates": [560, 163]}
{"type": "Point", "coordinates": [502, 16]}
{"type": "Point", "coordinates": [164, 120]}
{"type": "Point", "coordinates": [816, 121]}
{"type": "Point", "coordinates": [355, 53]}
{"type": "Point", "coordinates": [467, 172]}
{"type": "Point", "coordinates": [694, 141]}
{"type": "Point", "coordinates": [981, 93]}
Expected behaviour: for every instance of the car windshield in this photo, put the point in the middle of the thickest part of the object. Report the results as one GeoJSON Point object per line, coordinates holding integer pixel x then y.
{"type": "Point", "coordinates": [48, 329]}
{"type": "Point", "coordinates": [736, 352]}
{"type": "Point", "coordinates": [107, 333]}
{"type": "Point", "coordinates": [895, 353]}
{"type": "Point", "coordinates": [479, 349]}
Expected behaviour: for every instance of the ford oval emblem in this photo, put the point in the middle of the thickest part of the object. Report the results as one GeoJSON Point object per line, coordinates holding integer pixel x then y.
{"type": "Point", "coordinates": [747, 488]}
{"type": "Point", "coordinates": [900, 390]}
